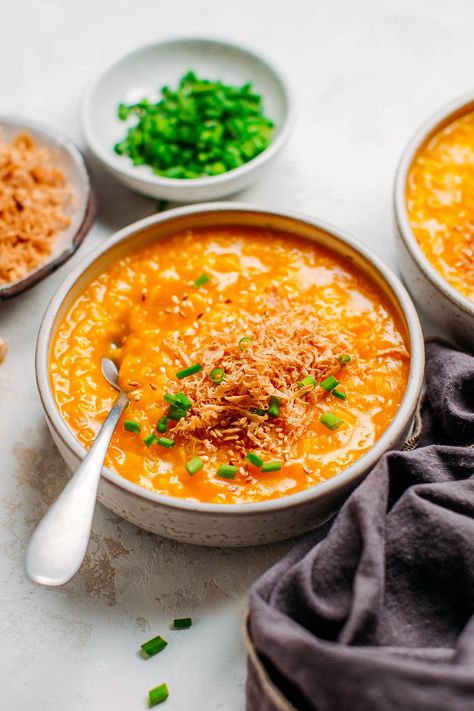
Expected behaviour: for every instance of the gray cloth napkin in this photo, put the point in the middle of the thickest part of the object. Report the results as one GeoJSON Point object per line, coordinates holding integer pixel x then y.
{"type": "Point", "coordinates": [374, 612]}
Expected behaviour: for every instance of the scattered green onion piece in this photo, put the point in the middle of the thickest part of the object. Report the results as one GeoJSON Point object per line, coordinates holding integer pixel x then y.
{"type": "Point", "coordinates": [329, 383]}
{"type": "Point", "coordinates": [339, 394]}
{"type": "Point", "coordinates": [344, 358]}
{"type": "Point", "coordinates": [163, 423]}
{"type": "Point", "coordinates": [254, 459]}
{"type": "Point", "coordinates": [331, 421]}
{"type": "Point", "coordinates": [189, 371]}
{"type": "Point", "coordinates": [201, 280]}
{"type": "Point", "coordinates": [171, 399]}
{"type": "Point", "coordinates": [165, 442]}
{"type": "Point", "coordinates": [151, 439]}
{"type": "Point", "coordinates": [182, 623]}
{"type": "Point", "coordinates": [227, 471]}
{"type": "Point", "coordinates": [309, 380]}
{"type": "Point", "coordinates": [245, 342]}
{"type": "Point", "coordinates": [176, 412]}
{"type": "Point", "coordinates": [194, 465]}
{"type": "Point", "coordinates": [132, 426]}
{"type": "Point", "coordinates": [158, 694]}
{"type": "Point", "coordinates": [274, 406]}
{"type": "Point", "coordinates": [258, 411]}
{"type": "Point", "coordinates": [217, 375]}
{"type": "Point", "coordinates": [182, 401]}
{"type": "Point", "coordinates": [271, 467]}
{"type": "Point", "coordinates": [153, 646]}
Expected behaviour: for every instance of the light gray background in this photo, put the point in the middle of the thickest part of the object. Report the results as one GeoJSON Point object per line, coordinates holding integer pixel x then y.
{"type": "Point", "coordinates": [365, 73]}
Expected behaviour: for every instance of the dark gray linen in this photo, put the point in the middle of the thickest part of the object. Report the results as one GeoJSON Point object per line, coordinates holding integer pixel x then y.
{"type": "Point", "coordinates": [374, 612]}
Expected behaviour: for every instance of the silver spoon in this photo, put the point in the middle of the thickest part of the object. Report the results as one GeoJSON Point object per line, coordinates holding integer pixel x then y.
{"type": "Point", "coordinates": [59, 543]}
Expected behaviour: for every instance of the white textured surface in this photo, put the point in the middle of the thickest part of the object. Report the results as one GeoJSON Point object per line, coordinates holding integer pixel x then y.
{"type": "Point", "coordinates": [365, 74]}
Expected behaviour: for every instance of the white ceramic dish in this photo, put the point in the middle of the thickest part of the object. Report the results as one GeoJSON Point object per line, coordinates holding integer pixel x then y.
{"type": "Point", "coordinates": [232, 524]}
{"type": "Point", "coordinates": [72, 164]}
{"type": "Point", "coordinates": [143, 72]}
{"type": "Point", "coordinates": [448, 308]}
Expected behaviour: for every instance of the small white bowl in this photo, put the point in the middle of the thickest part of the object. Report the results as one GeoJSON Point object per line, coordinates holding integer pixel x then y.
{"type": "Point", "coordinates": [143, 72]}
{"type": "Point", "coordinates": [450, 310]}
{"type": "Point", "coordinates": [71, 162]}
{"type": "Point", "coordinates": [228, 524]}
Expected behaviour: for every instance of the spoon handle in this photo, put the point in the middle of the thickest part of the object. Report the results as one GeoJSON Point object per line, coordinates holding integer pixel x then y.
{"type": "Point", "coordinates": [59, 543]}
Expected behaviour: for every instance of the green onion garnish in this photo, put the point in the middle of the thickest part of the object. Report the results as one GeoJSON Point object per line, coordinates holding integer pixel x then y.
{"type": "Point", "coordinates": [309, 380]}
{"type": "Point", "coordinates": [158, 694]}
{"type": "Point", "coordinates": [274, 406]}
{"type": "Point", "coordinates": [329, 383]}
{"type": "Point", "coordinates": [168, 397]}
{"type": "Point", "coordinates": [245, 342]}
{"type": "Point", "coordinates": [194, 465]}
{"type": "Point", "coordinates": [254, 459]}
{"type": "Point", "coordinates": [182, 623]}
{"type": "Point", "coordinates": [344, 358]}
{"type": "Point", "coordinates": [331, 421]}
{"type": "Point", "coordinates": [176, 412]}
{"type": "Point", "coordinates": [227, 471]}
{"type": "Point", "coordinates": [217, 375]}
{"type": "Point", "coordinates": [151, 439]}
{"type": "Point", "coordinates": [153, 646]}
{"type": "Point", "coordinates": [162, 425]}
{"type": "Point", "coordinates": [201, 280]}
{"type": "Point", "coordinates": [189, 371]}
{"type": "Point", "coordinates": [131, 426]}
{"type": "Point", "coordinates": [182, 401]}
{"type": "Point", "coordinates": [271, 467]}
{"type": "Point", "coordinates": [258, 411]}
{"type": "Point", "coordinates": [338, 393]}
{"type": "Point", "coordinates": [165, 442]}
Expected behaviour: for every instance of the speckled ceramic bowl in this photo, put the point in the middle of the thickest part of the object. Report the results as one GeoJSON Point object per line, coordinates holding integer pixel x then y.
{"type": "Point", "coordinates": [228, 524]}
{"type": "Point", "coordinates": [452, 312]}
{"type": "Point", "coordinates": [72, 164]}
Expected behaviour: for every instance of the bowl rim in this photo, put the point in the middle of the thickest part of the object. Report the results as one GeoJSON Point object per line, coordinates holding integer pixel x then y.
{"type": "Point", "coordinates": [129, 172]}
{"type": "Point", "coordinates": [391, 435]}
{"type": "Point", "coordinates": [7, 291]}
{"type": "Point", "coordinates": [429, 127]}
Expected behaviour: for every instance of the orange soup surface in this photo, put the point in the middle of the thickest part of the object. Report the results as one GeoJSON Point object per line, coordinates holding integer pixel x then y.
{"type": "Point", "coordinates": [440, 202]}
{"type": "Point", "coordinates": [265, 318]}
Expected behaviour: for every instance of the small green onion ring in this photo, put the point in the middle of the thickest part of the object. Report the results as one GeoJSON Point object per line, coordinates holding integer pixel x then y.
{"type": "Point", "coordinates": [186, 372]}
{"type": "Point", "coordinates": [309, 380]}
{"type": "Point", "coordinates": [339, 394]}
{"type": "Point", "coordinates": [274, 406]}
{"type": "Point", "coordinates": [182, 623]}
{"type": "Point", "coordinates": [227, 471]}
{"type": "Point", "coordinates": [162, 425]}
{"type": "Point", "coordinates": [254, 459]}
{"type": "Point", "coordinates": [329, 383]}
{"type": "Point", "coordinates": [217, 375]}
{"type": "Point", "coordinates": [194, 465]}
{"type": "Point", "coordinates": [331, 421]}
{"type": "Point", "coordinates": [201, 280]}
{"type": "Point", "coordinates": [166, 442]}
{"type": "Point", "coordinates": [153, 646]}
{"type": "Point", "coordinates": [245, 342]}
{"type": "Point", "coordinates": [151, 439]}
{"type": "Point", "coordinates": [158, 694]}
{"type": "Point", "coordinates": [271, 467]}
{"type": "Point", "coordinates": [131, 426]}
{"type": "Point", "coordinates": [344, 358]}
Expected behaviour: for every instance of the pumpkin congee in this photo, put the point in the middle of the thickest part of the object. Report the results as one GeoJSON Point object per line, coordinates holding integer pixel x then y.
{"type": "Point", "coordinates": [258, 364]}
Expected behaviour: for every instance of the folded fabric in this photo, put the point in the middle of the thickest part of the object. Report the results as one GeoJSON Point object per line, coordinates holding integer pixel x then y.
{"type": "Point", "coordinates": [374, 612]}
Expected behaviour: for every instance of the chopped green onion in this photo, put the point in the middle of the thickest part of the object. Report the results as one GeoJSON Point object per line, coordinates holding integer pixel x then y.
{"type": "Point", "coordinates": [168, 397]}
{"type": "Point", "coordinates": [194, 465]}
{"type": "Point", "coordinates": [331, 421]}
{"type": "Point", "coordinates": [151, 439]}
{"type": "Point", "coordinates": [339, 393]}
{"type": "Point", "coordinates": [309, 380]}
{"type": "Point", "coordinates": [201, 280]}
{"type": "Point", "coordinates": [182, 401]}
{"type": "Point", "coordinates": [274, 406]}
{"type": "Point", "coordinates": [258, 411]}
{"type": "Point", "coordinates": [254, 459]}
{"type": "Point", "coordinates": [158, 694]}
{"type": "Point", "coordinates": [271, 467]}
{"type": "Point", "coordinates": [189, 371]}
{"type": "Point", "coordinates": [131, 426]}
{"type": "Point", "coordinates": [329, 383]}
{"type": "Point", "coordinates": [163, 423]}
{"type": "Point", "coordinates": [217, 375]}
{"type": "Point", "coordinates": [344, 358]}
{"type": "Point", "coordinates": [153, 646]}
{"type": "Point", "coordinates": [165, 442]}
{"type": "Point", "coordinates": [176, 412]}
{"type": "Point", "coordinates": [245, 342]}
{"type": "Point", "coordinates": [182, 623]}
{"type": "Point", "coordinates": [227, 471]}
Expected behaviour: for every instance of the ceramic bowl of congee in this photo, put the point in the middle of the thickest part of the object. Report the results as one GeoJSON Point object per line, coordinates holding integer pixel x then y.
{"type": "Point", "coordinates": [270, 361]}
{"type": "Point", "coordinates": [433, 194]}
